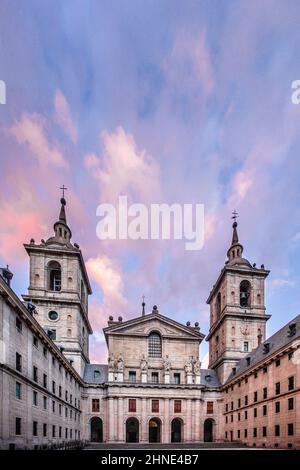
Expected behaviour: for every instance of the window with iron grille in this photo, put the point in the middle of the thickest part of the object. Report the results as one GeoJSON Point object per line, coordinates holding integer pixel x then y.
{"type": "Point", "coordinates": [177, 406]}
{"type": "Point", "coordinates": [132, 405]}
{"type": "Point", "coordinates": [210, 407]}
{"type": "Point", "coordinates": [154, 345]}
{"type": "Point", "coordinates": [95, 405]}
{"type": "Point", "coordinates": [155, 406]}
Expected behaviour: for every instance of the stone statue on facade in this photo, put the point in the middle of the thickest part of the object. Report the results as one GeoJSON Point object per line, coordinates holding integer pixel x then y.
{"type": "Point", "coordinates": [120, 363]}
{"type": "Point", "coordinates": [197, 367]}
{"type": "Point", "coordinates": [144, 363]}
{"type": "Point", "coordinates": [188, 367]}
{"type": "Point", "coordinates": [111, 363]}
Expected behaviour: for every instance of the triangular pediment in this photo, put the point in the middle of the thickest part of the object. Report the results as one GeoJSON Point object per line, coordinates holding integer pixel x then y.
{"type": "Point", "coordinates": [142, 326]}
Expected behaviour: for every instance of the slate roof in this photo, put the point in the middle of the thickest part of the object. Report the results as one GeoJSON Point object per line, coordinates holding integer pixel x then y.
{"type": "Point", "coordinates": [276, 342]}
{"type": "Point", "coordinates": [209, 378]}
{"type": "Point", "coordinates": [91, 378]}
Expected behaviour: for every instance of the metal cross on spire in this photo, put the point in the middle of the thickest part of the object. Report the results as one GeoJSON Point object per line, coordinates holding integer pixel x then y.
{"type": "Point", "coordinates": [63, 190]}
{"type": "Point", "coordinates": [234, 215]}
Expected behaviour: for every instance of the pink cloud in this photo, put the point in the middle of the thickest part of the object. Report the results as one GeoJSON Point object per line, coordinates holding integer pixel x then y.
{"type": "Point", "coordinates": [30, 131]}
{"type": "Point", "coordinates": [63, 116]}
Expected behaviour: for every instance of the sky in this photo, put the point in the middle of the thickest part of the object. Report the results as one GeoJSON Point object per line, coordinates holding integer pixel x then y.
{"type": "Point", "coordinates": [163, 101]}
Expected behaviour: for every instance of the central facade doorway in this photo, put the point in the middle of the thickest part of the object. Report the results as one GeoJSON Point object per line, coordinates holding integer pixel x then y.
{"type": "Point", "coordinates": [96, 429]}
{"type": "Point", "coordinates": [132, 430]}
{"type": "Point", "coordinates": [176, 430]}
{"type": "Point", "coordinates": [154, 430]}
{"type": "Point", "coordinates": [208, 430]}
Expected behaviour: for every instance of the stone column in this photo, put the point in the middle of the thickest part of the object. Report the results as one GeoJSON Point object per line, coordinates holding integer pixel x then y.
{"type": "Point", "coordinates": [111, 419]}
{"type": "Point", "coordinates": [166, 433]}
{"type": "Point", "coordinates": [189, 378]}
{"type": "Point", "coordinates": [144, 376]}
{"type": "Point", "coordinates": [120, 376]}
{"type": "Point", "coordinates": [188, 426]}
{"type": "Point", "coordinates": [143, 431]}
{"type": "Point", "coordinates": [121, 437]}
{"type": "Point", "coordinates": [167, 377]}
{"type": "Point", "coordinates": [197, 420]}
{"type": "Point", "coordinates": [193, 421]}
{"type": "Point", "coordinates": [110, 376]}
{"type": "Point", "coordinates": [197, 379]}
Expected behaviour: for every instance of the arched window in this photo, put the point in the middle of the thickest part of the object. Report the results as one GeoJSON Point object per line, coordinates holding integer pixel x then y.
{"type": "Point", "coordinates": [245, 288]}
{"type": "Point", "coordinates": [154, 345]}
{"type": "Point", "coordinates": [218, 304]}
{"type": "Point", "coordinates": [54, 276]}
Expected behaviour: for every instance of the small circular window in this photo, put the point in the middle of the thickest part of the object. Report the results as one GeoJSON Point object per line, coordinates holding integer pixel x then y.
{"type": "Point", "coordinates": [52, 315]}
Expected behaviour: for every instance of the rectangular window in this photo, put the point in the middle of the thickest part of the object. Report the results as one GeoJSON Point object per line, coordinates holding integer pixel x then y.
{"type": "Point", "coordinates": [45, 352]}
{"type": "Point", "coordinates": [210, 407]}
{"type": "Point", "coordinates": [231, 418]}
{"type": "Point", "coordinates": [59, 391]}
{"type": "Point", "coordinates": [255, 412]}
{"type": "Point", "coordinates": [265, 370]}
{"type": "Point", "coordinates": [255, 397]}
{"type": "Point", "coordinates": [277, 388]}
{"type": "Point", "coordinates": [44, 380]}
{"type": "Point", "coordinates": [238, 434]}
{"type": "Point", "coordinates": [18, 426]}
{"type": "Point", "coordinates": [59, 409]}
{"type": "Point", "coordinates": [265, 410]}
{"type": "Point", "coordinates": [245, 433]}
{"type": "Point", "coordinates": [246, 400]}
{"type": "Point", "coordinates": [277, 407]}
{"type": "Point", "coordinates": [290, 404]}
{"type": "Point", "coordinates": [53, 387]}
{"type": "Point", "coordinates": [95, 405]}
{"type": "Point", "coordinates": [45, 402]}
{"type": "Point", "coordinates": [226, 407]}
{"type": "Point", "coordinates": [239, 403]}
{"type": "Point", "coordinates": [290, 427]}
{"type": "Point", "coordinates": [34, 398]}
{"type": "Point", "coordinates": [154, 377]}
{"type": "Point", "coordinates": [231, 405]}
{"type": "Point", "coordinates": [254, 432]}
{"type": "Point", "coordinates": [277, 362]}
{"type": "Point", "coordinates": [36, 344]}
{"type": "Point", "coordinates": [66, 412]}
{"type": "Point", "coordinates": [66, 433]}
{"type": "Point", "coordinates": [265, 393]}
{"type": "Point", "coordinates": [226, 419]}
{"type": "Point", "coordinates": [53, 406]}
{"type": "Point", "coordinates": [132, 405]}
{"type": "Point", "coordinates": [34, 428]}
{"type": "Point", "coordinates": [277, 430]}
{"type": "Point", "coordinates": [155, 406]}
{"type": "Point", "coordinates": [59, 431]}
{"type": "Point", "coordinates": [290, 355]}
{"type": "Point", "coordinates": [291, 383]}
{"type": "Point", "coordinates": [35, 373]}
{"type": "Point", "coordinates": [66, 394]}
{"type": "Point", "coordinates": [18, 390]}
{"type": "Point", "coordinates": [246, 414]}
{"type": "Point", "coordinates": [177, 406]}
{"type": "Point", "coordinates": [18, 324]}
{"type": "Point", "coordinates": [44, 430]}
{"type": "Point", "coordinates": [51, 332]}
{"type": "Point", "coordinates": [53, 430]}
{"type": "Point", "coordinates": [246, 346]}
{"type": "Point", "coordinates": [132, 376]}
{"type": "Point", "coordinates": [18, 362]}
{"type": "Point", "coordinates": [71, 398]}
{"type": "Point", "coordinates": [239, 416]}
{"type": "Point", "coordinates": [264, 431]}
{"type": "Point", "coordinates": [176, 378]}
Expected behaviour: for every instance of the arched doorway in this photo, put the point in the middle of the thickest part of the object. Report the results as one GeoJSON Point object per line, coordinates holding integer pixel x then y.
{"type": "Point", "coordinates": [176, 430]}
{"type": "Point", "coordinates": [96, 429]}
{"type": "Point", "coordinates": [132, 430]}
{"type": "Point", "coordinates": [208, 430]}
{"type": "Point", "coordinates": [154, 430]}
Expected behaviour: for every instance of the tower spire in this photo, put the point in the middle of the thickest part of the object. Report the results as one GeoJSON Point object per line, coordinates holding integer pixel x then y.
{"type": "Point", "coordinates": [236, 249]}
{"type": "Point", "coordinates": [143, 306]}
{"type": "Point", "coordinates": [62, 214]}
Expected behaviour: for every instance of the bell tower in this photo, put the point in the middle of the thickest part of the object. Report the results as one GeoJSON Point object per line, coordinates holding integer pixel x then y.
{"type": "Point", "coordinates": [59, 288]}
{"type": "Point", "coordinates": [237, 310]}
